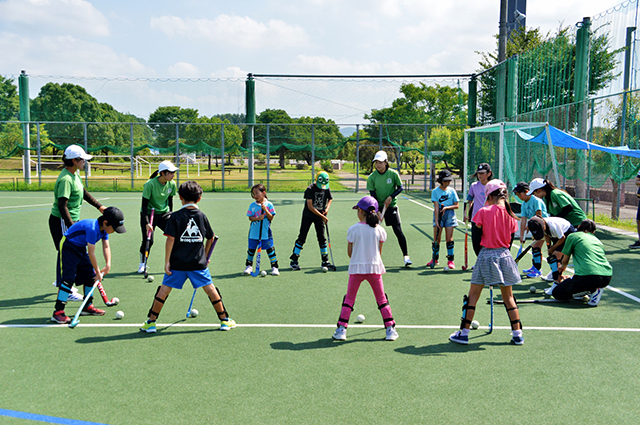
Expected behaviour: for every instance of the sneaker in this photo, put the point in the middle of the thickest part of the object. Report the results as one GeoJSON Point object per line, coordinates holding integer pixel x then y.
{"type": "Point", "coordinates": [141, 268]}
{"type": "Point", "coordinates": [248, 270]}
{"type": "Point", "coordinates": [407, 261]}
{"type": "Point", "coordinates": [227, 324]}
{"type": "Point", "coordinates": [60, 317]}
{"type": "Point", "coordinates": [533, 268]}
{"type": "Point", "coordinates": [549, 291]}
{"type": "Point", "coordinates": [392, 335]}
{"type": "Point", "coordinates": [535, 273]}
{"type": "Point", "coordinates": [595, 297]}
{"type": "Point", "coordinates": [635, 245]}
{"type": "Point", "coordinates": [340, 334]}
{"type": "Point", "coordinates": [275, 271]}
{"type": "Point", "coordinates": [148, 327]}
{"type": "Point", "coordinates": [294, 265]}
{"type": "Point", "coordinates": [328, 265]}
{"type": "Point", "coordinates": [451, 265]}
{"type": "Point", "coordinates": [580, 296]}
{"type": "Point", "coordinates": [75, 295]}
{"type": "Point", "coordinates": [549, 277]}
{"type": "Point", "coordinates": [430, 263]}
{"type": "Point", "coordinates": [458, 338]}
{"type": "Point", "coordinates": [517, 340]}
{"type": "Point", "coordinates": [91, 310]}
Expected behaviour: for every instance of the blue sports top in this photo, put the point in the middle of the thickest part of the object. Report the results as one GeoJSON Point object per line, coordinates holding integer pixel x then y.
{"type": "Point", "coordinates": [85, 232]}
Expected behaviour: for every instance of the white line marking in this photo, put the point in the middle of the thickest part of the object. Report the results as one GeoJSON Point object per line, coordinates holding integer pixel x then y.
{"type": "Point", "coordinates": [307, 326]}
{"type": "Point", "coordinates": [41, 205]}
{"type": "Point", "coordinates": [570, 270]}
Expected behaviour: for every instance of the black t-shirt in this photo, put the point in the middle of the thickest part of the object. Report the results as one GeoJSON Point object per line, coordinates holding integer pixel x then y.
{"type": "Point", "coordinates": [189, 228]}
{"type": "Point", "coordinates": [319, 198]}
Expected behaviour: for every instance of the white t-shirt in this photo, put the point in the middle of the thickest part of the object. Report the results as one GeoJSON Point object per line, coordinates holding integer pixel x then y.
{"type": "Point", "coordinates": [365, 256]}
{"type": "Point", "coordinates": [557, 226]}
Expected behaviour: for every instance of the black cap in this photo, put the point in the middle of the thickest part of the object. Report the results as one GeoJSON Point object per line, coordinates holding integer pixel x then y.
{"type": "Point", "coordinates": [115, 219]}
{"type": "Point", "coordinates": [536, 227]}
{"type": "Point", "coordinates": [521, 187]}
{"type": "Point", "coordinates": [445, 175]}
{"type": "Point", "coordinates": [484, 167]}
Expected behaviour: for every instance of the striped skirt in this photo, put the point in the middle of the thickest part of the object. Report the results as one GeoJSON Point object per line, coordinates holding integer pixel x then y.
{"type": "Point", "coordinates": [495, 266]}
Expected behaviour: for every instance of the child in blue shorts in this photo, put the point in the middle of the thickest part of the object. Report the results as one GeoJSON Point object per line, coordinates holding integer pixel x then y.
{"type": "Point", "coordinates": [78, 262]}
{"type": "Point", "coordinates": [261, 213]}
{"type": "Point", "coordinates": [445, 202]}
{"type": "Point", "coordinates": [186, 258]}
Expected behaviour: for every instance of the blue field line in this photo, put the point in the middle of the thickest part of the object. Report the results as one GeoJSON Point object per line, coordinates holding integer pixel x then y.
{"type": "Point", "coordinates": [44, 418]}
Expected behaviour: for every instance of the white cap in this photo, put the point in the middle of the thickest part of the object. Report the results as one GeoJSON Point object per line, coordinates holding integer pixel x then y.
{"type": "Point", "coordinates": [380, 156]}
{"type": "Point", "coordinates": [75, 151]}
{"type": "Point", "coordinates": [167, 166]}
{"type": "Point", "coordinates": [535, 185]}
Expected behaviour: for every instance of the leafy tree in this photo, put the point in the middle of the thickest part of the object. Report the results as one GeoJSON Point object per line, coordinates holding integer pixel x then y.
{"type": "Point", "coordinates": [278, 134]}
{"type": "Point", "coordinates": [9, 101]}
{"type": "Point", "coordinates": [164, 115]}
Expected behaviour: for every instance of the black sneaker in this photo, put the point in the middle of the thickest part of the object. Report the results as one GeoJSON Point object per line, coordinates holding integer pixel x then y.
{"type": "Point", "coordinates": [328, 265]}
{"type": "Point", "coordinates": [635, 245]}
{"type": "Point", "coordinates": [294, 265]}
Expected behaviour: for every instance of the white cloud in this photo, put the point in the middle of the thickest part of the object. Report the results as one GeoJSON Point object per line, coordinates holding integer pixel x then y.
{"type": "Point", "coordinates": [184, 70]}
{"type": "Point", "coordinates": [76, 17]}
{"type": "Point", "coordinates": [236, 31]}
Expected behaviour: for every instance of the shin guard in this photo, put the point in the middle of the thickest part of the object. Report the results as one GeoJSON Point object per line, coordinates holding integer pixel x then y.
{"type": "Point", "coordinates": [345, 313]}
{"type": "Point", "coordinates": [553, 263]}
{"type": "Point", "coordinates": [385, 311]}
{"type": "Point", "coordinates": [158, 299]}
{"type": "Point", "coordinates": [221, 314]}
{"type": "Point", "coordinates": [537, 258]}
{"type": "Point", "coordinates": [450, 250]}
{"type": "Point", "coordinates": [465, 308]}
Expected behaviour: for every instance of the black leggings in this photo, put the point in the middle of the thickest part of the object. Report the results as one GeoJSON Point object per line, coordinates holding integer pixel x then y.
{"type": "Point", "coordinates": [576, 284]}
{"type": "Point", "coordinates": [159, 220]}
{"type": "Point", "coordinates": [392, 218]}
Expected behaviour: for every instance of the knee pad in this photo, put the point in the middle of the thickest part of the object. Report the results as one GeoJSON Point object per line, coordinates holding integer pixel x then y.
{"type": "Point", "coordinates": [160, 300]}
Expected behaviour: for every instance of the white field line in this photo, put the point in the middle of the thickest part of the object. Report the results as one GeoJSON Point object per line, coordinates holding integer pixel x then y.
{"type": "Point", "coordinates": [631, 297]}
{"type": "Point", "coordinates": [310, 326]}
{"type": "Point", "coordinates": [40, 205]}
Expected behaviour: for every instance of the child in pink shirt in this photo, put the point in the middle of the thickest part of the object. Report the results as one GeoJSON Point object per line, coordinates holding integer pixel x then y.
{"type": "Point", "coordinates": [494, 266]}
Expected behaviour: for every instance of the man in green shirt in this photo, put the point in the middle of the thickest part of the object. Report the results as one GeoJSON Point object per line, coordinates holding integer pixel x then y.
{"type": "Point", "coordinates": [592, 270]}
{"type": "Point", "coordinates": [385, 185]}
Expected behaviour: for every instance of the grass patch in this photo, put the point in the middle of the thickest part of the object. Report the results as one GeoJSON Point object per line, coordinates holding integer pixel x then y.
{"type": "Point", "coordinates": [605, 220]}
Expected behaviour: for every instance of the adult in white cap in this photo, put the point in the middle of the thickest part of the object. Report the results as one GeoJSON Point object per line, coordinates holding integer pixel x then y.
{"type": "Point", "coordinates": [385, 185]}
{"type": "Point", "coordinates": [68, 194]}
{"type": "Point", "coordinates": [157, 195]}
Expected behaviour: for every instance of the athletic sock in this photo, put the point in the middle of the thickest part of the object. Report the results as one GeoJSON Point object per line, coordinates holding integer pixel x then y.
{"type": "Point", "coordinates": [465, 331]}
{"type": "Point", "coordinates": [517, 333]}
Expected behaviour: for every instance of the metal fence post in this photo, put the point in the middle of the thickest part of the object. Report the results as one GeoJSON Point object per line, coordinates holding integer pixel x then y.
{"type": "Point", "coordinates": [268, 158]}
{"type": "Point", "coordinates": [178, 154]}
{"type": "Point", "coordinates": [39, 155]}
{"type": "Point", "coordinates": [357, 157]}
{"type": "Point", "coordinates": [222, 154]}
{"type": "Point", "coordinates": [313, 154]}
{"type": "Point", "coordinates": [132, 162]}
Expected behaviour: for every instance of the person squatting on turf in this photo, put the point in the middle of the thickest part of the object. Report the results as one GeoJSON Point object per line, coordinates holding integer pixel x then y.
{"type": "Point", "coordinates": [364, 247]}
{"type": "Point", "coordinates": [636, 244]}
{"type": "Point", "coordinates": [475, 201]}
{"type": "Point", "coordinates": [186, 258]}
{"type": "Point", "coordinates": [532, 206]}
{"type": "Point", "coordinates": [384, 185]}
{"type": "Point", "coordinates": [495, 265]}
{"type": "Point", "coordinates": [592, 270]}
{"type": "Point", "coordinates": [78, 262]}
{"type": "Point", "coordinates": [68, 194]}
{"type": "Point", "coordinates": [157, 193]}
{"type": "Point", "coordinates": [445, 202]}
{"type": "Point", "coordinates": [554, 231]}
{"type": "Point", "coordinates": [316, 207]}
{"type": "Point", "coordinates": [260, 229]}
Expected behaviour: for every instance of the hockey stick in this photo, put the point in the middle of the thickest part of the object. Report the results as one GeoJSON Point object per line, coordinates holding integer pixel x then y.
{"type": "Point", "coordinates": [536, 301]}
{"type": "Point", "coordinates": [523, 253]}
{"type": "Point", "coordinates": [333, 265]}
{"type": "Point", "coordinates": [491, 302]}
{"type": "Point", "coordinates": [257, 270]}
{"type": "Point", "coordinates": [213, 245]}
{"type": "Point", "coordinates": [76, 318]}
{"type": "Point", "coordinates": [381, 216]}
{"type": "Point", "coordinates": [103, 294]}
{"type": "Point", "coordinates": [146, 250]}
{"type": "Point", "coordinates": [466, 247]}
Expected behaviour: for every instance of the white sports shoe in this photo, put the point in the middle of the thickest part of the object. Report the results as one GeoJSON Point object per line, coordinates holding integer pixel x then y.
{"type": "Point", "coordinates": [549, 277]}
{"type": "Point", "coordinates": [75, 295]}
{"type": "Point", "coordinates": [595, 297]}
{"type": "Point", "coordinates": [548, 291]}
{"type": "Point", "coordinates": [340, 334]}
{"type": "Point", "coordinates": [141, 268]}
{"type": "Point", "coordinates": [248, 270]}
{"type": "Point", "coordinates": [392, 335]}
{"type": "Point", "coordinates": [275, 271]}
{"type": "Point", "coordinates": [407, 261]}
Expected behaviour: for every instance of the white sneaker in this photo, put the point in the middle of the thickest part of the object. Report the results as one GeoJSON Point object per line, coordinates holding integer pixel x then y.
{"type": "Point", "coordinates": [595, 297]}
{"type": "Point", "coordinates": [549, 277]}
{"type": "Point", "coordinates": [340, 334]}
{"type": "Point", "coordinates": [407, 261]}
{"type": "Point", "coordinates": [275, 271]}
{"type": "Point", "coordinates": [392, 335]}
{"type": "Point", "coordinates": [548, 291]}
{"type": "Point", "coordinates": [141, 268]}
{"type": "Point", "coordinates": [75, 295]}
{"type": "Point", "coordinates": [248, 270]}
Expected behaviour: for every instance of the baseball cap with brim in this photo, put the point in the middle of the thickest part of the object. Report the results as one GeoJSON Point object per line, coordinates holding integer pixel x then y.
{"type": "Point", "coordinates": [75, 151]}
{"type": "Point", "coordinates": [536, 227]}
{"type": "Point", "coordinates": [483, 167]}
{"type": "Point", "coordinates": [380, 156]}
{"type": "Point", "coordinates": [445, 175]}
{"type": "Point", "coordinates": [115, 218]}
{"type": "Point", "coordinates": [493, 185]}
{"type": "Point", "coordinates": [521, 187]}
{"type": "Point", "coordinates": [367, 203]}
{"type": "Point", "coordinates": [535, 185]}
{"type": "Point", "coordinates": [167, 166]}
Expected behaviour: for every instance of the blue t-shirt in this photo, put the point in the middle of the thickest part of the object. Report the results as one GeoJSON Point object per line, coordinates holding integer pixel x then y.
{"type": "Point", "coordinates": [445, 198]}
{"type": "Point", "coordinates": [255, 210]}
{"type": "Point", "coordinates": [530, 207]}
{"type": "Point", "coordinates": [85, 232]}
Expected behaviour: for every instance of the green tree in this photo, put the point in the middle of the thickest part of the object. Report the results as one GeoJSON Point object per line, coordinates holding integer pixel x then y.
{"type": "Point", "coordinates": [278, 134]}
{"type": "Point", "coordinates": [162, 117]}
{"type": "Point", "coordinates": [9, 102]}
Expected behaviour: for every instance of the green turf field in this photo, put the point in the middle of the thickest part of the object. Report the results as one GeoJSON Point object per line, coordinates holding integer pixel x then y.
{"type": "Point", "coordinates": [280, 365]}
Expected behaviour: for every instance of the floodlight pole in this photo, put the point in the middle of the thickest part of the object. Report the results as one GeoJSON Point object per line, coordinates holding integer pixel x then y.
{"type": "Point", "coordinates": [25, 117]}
{"type": "Point", "coordinates": [250, 119]}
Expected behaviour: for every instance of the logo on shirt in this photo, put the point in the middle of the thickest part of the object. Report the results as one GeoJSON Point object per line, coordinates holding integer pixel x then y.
{"type": "Point", "coordinates": [169, 190]}
{"type": "Point", "coordinates": [318, 202]}
{"type": "Point", "coordinates": [192, 233]}
{"type": "Point", "coordinates": [389, 181]}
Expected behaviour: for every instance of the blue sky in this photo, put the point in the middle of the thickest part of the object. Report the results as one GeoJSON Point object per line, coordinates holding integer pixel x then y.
{"type": "Point", "coordinates": [227, 39]}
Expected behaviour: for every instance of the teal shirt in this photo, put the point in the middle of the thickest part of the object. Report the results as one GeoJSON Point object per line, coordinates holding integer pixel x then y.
{"type": "Point", "coordinates": [384, 185]}
{"type": "Point", "coordinates": [530, 207]}
{"type": "Point", "coordinates": [68, 185]}
{"type": "Point", "coordinates": [158, 194]}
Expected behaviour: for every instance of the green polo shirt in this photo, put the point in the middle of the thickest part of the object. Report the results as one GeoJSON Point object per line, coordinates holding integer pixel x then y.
{"type": "Point", "coordinates": [158, 194]}
{"type": "Point", "coordinates": [384, 185]}
{"type": "Point", "coordinates": [588, 254]}
{"type": "Point", "coordinates": [558, 199]}
{"type": "Point", "coordinates": [68, 185]}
